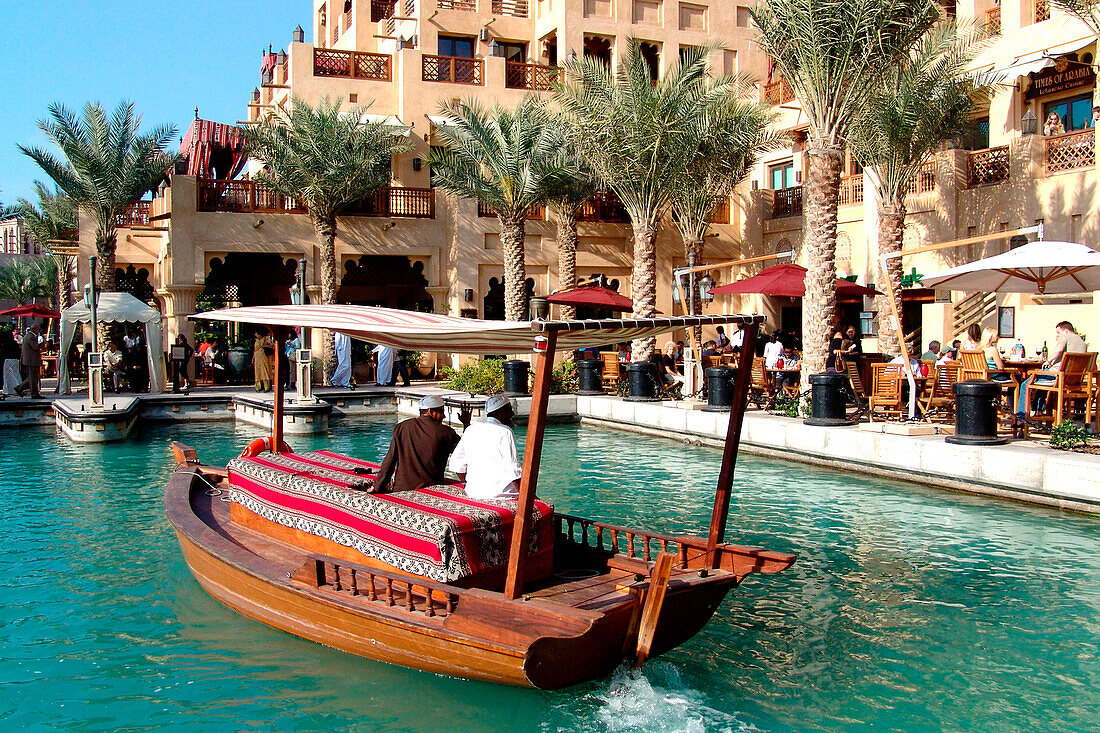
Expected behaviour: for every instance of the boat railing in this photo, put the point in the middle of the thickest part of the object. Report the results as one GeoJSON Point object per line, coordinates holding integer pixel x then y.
{"type": "Point", "coordinates": [379, 586]}
{"type": "Point", "coordinates": [615, 540]}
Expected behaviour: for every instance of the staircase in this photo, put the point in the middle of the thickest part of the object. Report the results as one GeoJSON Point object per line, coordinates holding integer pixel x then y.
{"type": "Point", "coordinates": [975, 308]}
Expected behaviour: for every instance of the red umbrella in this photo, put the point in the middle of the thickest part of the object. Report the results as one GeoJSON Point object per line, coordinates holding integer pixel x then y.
{"type": "Point", "coordinates": [788, 280]}
{"type": "Point", "coordinates": [30, 311]}
{"type": "Point", "coordinates": [593, 295]}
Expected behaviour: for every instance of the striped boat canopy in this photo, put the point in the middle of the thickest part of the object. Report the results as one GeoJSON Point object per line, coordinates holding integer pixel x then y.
{"type": "Point", "coordinates": [448, 334]}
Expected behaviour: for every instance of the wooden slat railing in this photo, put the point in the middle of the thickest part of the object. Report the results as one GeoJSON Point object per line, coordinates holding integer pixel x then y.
{"type": "Point", "coordinates": [925, 180]}
{"type": "Point", "coordinates": [453, 70]}
{"type": "Point", "coordinates": [352, 64]}
{"type": "Point", "coordinates": [396, 202]}
{"type": "Point", "coordinates": [993, 21]}
{"type": "Point", "coordinates": [787, 202]}
{"type": "Point", "coordinates": [469, 6]}
{"type": "Point", "coordinates": [252, 197]}
{"type": "Point", "coordinates": [603, 207]}
{"type": "Point", "coordinates": [136, 215]}
{"type": "Point", "coordinates": [721, 215]}
{"type": "Point", "coordinates": [1067, 152]}
{"type": "Point", "coordinates": [382, 10]}
{"type": "Point", "coordinates": [987, 166]}
{"type": "Point", "coordinates": [778, 92]}
{"type": "Point", "coordinates": [398, 592]}
{"type": "Point", "coordinates": [530, 76]}
{"type": "Point", "coordinates": [515, 8]}
{"type": "Point", "coordinates": [615, 540]}
{"type": "Point", "coordinates": [851, 190]}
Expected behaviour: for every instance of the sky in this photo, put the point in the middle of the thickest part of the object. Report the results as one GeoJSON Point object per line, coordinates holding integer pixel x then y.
{"type": "Point", "coordinates": [167, 56]}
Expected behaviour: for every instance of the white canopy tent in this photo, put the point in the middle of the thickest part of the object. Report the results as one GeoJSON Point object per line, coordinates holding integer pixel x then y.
{"type": "Point", "coordinates": [114, 308]}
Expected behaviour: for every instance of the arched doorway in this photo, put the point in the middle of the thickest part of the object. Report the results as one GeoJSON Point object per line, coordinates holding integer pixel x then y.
{"type": "Point", "coordinates": [240, 279]}
{"type": "Point", "coordinates": [389, 281]}
{"type": "Point", "coordinates": [494, 300]}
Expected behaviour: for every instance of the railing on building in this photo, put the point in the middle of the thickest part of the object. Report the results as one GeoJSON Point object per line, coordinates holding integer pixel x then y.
{"type": "Point", "coordinates": [787, 202]}
{"type": "Point", "coordinates": [382, 10]}
{"type": "Point", "coordinates": [469, 6]}
{"type": "Point", "coordinates": [347, 21]}
{"type": "Point", "coordinates": [603, 207]}
{"type": "Point", "coordinates": [987, 166]}
{"type": "Point", "coordinates": [410, 8]}
{"type": "Point", "coordinates": [925, 180]}
{"type": "Point", "coordinates": [453, 70]}
{"type": "Point", "coordinates": [254, 198]}
{"type": "Point", "coordinates": [352, 64]}
{"type": "Point", "coordinates": [530, 76]}
{"type": "Point", "coordinates": [1066, 152]}
{"type": "Point", "coordinates": [536, 214]}
{"type": "Point", "coordinates": [136, 215]}
{"type": "Point", "coordinates": [778, 92]}
{"type": "Point", "coordinates": [851, 190]}
{"type": "Point", "coordinates": [993, 21]}
{"type": "Point", "coordinates": [516, 8]}
{"type": "Point", "coordinates": [721, 215]}
{"type": "Point", "coordinates": [975, 308]}
{"type": "Point", "coordinates": [1042, 10]}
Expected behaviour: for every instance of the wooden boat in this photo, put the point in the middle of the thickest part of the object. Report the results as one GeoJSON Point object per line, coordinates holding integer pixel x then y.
{"type": "Point", "coordinates": [551, 617]}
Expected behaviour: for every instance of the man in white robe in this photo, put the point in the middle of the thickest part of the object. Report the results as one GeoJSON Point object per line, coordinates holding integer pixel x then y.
{"type": "Point", "coordinates": [342, 376]}
{"type": "Point", "coordinates": [384, 374]}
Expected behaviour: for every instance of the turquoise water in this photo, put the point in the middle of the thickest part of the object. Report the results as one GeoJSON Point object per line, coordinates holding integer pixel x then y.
{"type": "Point", "coordinates": [908, 610]}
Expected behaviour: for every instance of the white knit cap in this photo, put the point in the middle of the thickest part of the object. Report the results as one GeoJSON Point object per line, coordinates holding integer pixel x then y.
{"type": "Point", "coordinates": [495, 403]}
{"type": "Point", "coordinates": [430, 402]}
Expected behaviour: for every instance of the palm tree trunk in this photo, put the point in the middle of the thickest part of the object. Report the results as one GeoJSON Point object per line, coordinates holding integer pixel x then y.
{"type": "Point", "coordinates": [567, 254]}
{"type": "Point", "coordinates": [644, 283]}
{"type": "Point", "coordinates": [891, 229]}
{"type": "Point", "coordinates": [105, 240]}
{"type": "Point", "coordinates": [693, 252]}
{"type": "Point", "coordinates": [325, 224]}
{"type": "Point", "coordinates": [515, 269]}
{"type": "Point", "coordinates": [821, 196]}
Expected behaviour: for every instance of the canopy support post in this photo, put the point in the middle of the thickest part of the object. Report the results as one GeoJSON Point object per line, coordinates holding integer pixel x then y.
{"type": "Point", "coordinates": [733, 441]}
{"type": "Point", "coordinates": [532, 456]}
{"type": "Point", "coordinates": [277, 394]}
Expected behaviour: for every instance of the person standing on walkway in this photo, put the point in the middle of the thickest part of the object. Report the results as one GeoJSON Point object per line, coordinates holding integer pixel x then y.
{"type": "Point", "coordinates": [342, 345]}
{"type": "Point", "coordinates": [401, 367]}
{"type": "Point", "coordinates": [262, 350]}
{"type": "Point", "coordinates": [31, 360]}
{"type": "Point", "coordinates": [384, 367]}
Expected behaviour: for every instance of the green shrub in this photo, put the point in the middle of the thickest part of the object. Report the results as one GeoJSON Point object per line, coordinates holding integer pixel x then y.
{"type": "Point", "coordinates": [563, 380]}
{"type": "Point", "coordinates": [785, 405]}
{"type": "Point", "coordinates": [483, 376]}
{"type": "Point", "coordinates": [1068, 435]}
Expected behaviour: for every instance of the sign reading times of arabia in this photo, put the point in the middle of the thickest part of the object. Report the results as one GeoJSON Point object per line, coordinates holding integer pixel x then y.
{"type": "Point", "coordinates": [1060, 77]}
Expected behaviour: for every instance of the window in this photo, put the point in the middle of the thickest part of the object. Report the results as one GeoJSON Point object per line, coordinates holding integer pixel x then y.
{"type": "Point", "coordinates": [693, 17]}
{"type": "Point", "coordinates": [514, 52]}
{"type": "Point", "coordinates": [1074, 112]}
{"type": "Point", "coordinates": [781, 176]}
{"type": "Point", "coordinates": [977, 137]}
{"type": "Point", "coordinates": [729, 62]}
{"type": "Point", "coordinates": [744, 15]}
{"type": "Point", "coordinates": [459, 46]}
{"type": "Point", "coordinates": [652, 55]}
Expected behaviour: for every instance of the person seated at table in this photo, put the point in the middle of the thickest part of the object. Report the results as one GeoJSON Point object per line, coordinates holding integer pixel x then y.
{"type": "Point", "coordinates": [852, 345]}
{"type": "Point", "coordinates": [486, 457]}
{"type": "Point", "coordinates": [914, 363]}
{"type": "Point", "coordinates": [1066, 341]}
{"type": "Point", "coordinates": [791, 366]}
{"type": "Point", "coordinates": [112, 366]}
{"type": "Point", "coordinates": [722, 340]}
{"type": "Point", "coordinates": [951, 353]}
{"type": "Point", "coordinates": [834, 361]}
{"type": "Point", "coordinates": [933, 353]}
{"type": "Point", "coordinates": [973, 340]}
{"type": "Point", "coordinates": [773, 350]}
{"type": "Point", "coordinates": [666, 366]}
{"type": "Point", "coordinates": [710, 348]}
{"type": "Point", "coordinates": [624, 353]}
{"type": "Point", "coordinates": [993, 359]}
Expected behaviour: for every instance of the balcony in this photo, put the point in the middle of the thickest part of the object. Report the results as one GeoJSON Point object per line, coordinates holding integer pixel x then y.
{"type": "Point", "coordinates": [986, 167]}
{"type": "Point", "coordinates": [530, 76]}
{"type": "Point", "coordinates": [1042, 10]}
{"type": "Point", "coordinates": [468, 6]}
{"type": "Point", "coordinates": [536, 214]}
{"type": "Point", "coordinates": [453, 70]}
{"type": "Point", "coordinates": [925, 180]}
{"type": "Point", "coordinates": [851, 190]}
{"type": "Point", "coordinates": [250, 197]}
{"type": "Point", "coordinates": [993, 21]}
{"type": "Point", "coordinates": [778, 92]}
{"type": "Point", "coordinates": [382, 10]}
{"type": "Point", "coordinates": [603, 207]}
{"type": "Point", "coordinates": [136, 215]}
{"type": "Point", "coordinates": [787, 202]}
{"type": "Point", "coordinates": [721, 215]}
{"type": "Point", "coordinates": [352, 64]}
{"type": "Point", "coordinates": [1068, 152]}
{"type": "Point", "coordinates": [515, 8]}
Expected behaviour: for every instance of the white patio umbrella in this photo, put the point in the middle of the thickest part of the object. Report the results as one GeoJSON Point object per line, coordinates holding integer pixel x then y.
{"type": "Point", "coordinates": [1046, 267]}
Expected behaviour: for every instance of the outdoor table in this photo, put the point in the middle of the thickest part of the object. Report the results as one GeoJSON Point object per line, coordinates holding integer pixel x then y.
{"type": "Point", "coordinates": [774, 372]}
{"type": "Point", "coordinates": [49, 365]}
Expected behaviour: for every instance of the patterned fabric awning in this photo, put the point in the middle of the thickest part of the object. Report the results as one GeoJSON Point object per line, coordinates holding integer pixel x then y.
{"type": "Point", "coordinates": [200, 140]}
{"type": "Point", "coordinates": [448, 334]}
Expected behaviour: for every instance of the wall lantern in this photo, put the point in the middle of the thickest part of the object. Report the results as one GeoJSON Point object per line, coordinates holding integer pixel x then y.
{"type": "Point", "coordinates": [706, 283]}
{"type": "Point", "coordinates": [1029, 124]}
{"type": "Point", "coordinates": [572, 55]}
{"type": "Point", "coordinates": [495, 48]}
{"type": "Point", "coordinates": [484, 35]}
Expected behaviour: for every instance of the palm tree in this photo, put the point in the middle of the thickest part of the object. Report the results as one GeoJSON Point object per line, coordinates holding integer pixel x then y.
{"type": "Point", "coordinates": [50, 222]}
{"type": "Point", "coordinates": [925, 100]}
{"type": "Point", "coordinates": [327, 159]}
{"type": "Point", "coordinates": [833, 54]}
{"type": "Point", "coordinates": [23, 280]}
{"type": "Point", "coordinates": [508, 160]}
{"type": "Point", "coordinates": [737, 134]}
{"type": "Point", "coordinates": [105, 166]}
{"type": "Point", "coordinates": [1087, 11]}
{"type": "Point", "coordinates": [641, 137]}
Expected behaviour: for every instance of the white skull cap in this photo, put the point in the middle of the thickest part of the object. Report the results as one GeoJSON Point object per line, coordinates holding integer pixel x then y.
{"type": "Point", "coordinates": [495, 403]}
{"type": "Point", "coordinates": [430, 402]}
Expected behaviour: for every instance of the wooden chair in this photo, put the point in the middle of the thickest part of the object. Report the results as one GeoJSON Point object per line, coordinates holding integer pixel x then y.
{"type": "Point", "coordinates": [712, 361]}
{"type": "Point", "coordinates": [1074, 384]}
{"type": "Point", "coordinates": [612, 371]}
{"type": "Point", "coordinates": [760, 388]}
{"type": "Point", "coordinates": [860, 392]}
{"type": "Point", "coordinates": [940, 394]}
{"type": "Point", "coordinates": [886, 380]}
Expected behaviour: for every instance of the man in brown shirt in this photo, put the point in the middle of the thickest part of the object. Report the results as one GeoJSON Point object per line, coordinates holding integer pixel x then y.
{"type": "Point", "coordinates": [420, 449]}
{"type": "Point", "coordinates": [31, 359]}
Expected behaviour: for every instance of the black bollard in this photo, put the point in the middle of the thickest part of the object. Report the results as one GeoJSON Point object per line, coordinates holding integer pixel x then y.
{"type": "Point", "coordinates": [589, 377]}
{"type": "Point", "coordinates": [642, 380]}
{"type": "Point", "coordinates": [828, 400]}
{"type": "Point", "coordinates": [515, 378]}
{"type": "Point", "coordinates": [719, 389]}
{"type": "Point", "coordinates": [976, 413]}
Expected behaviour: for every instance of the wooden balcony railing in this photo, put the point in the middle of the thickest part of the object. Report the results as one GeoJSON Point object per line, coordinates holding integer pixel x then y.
{"type": "Point", "coordinates": [987, 166]}
{"type": "Point", "coordinates": [851, 190]}
{"type": "Point", "coordinates": [346, 21]}
{"type": "Point", "coordinates": [382, 10]}
{"type": "Point", "coordinates": [1067, 152]}
{"type": "Point", "coordinates": [515, 8]}
{"type": "Point", "coordinates": [469, 6]}
{"type": "Point", "coordinates": [453, 70]}
{"type": "Point", "coordinates": [352, 64]}
{"type": "Point", "coordinates": [530, 76]}
{"type": "Point", "coordinates": [603, 207]}
{"type": "Point", "coordinates": [410, 8]}
{"type": "Point", "coordinates": [993, 21]}
{"type": "Point", "coordinates": [136, 215]}
{"type": "Point", "coordinates": [1042, 10]}
{"type": "Point", "coordinates": [778, 92]}
{"type": "Point", "coordinates": [787, 202]}
{"type": "Point", "coordinates": [538, 213]}
{"type": "Point", "coordinates": [721, 215]}
{"type": "Point", "coordinates": [925, 180]}
{"type": "Point", "coordinates": [252, 197]}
